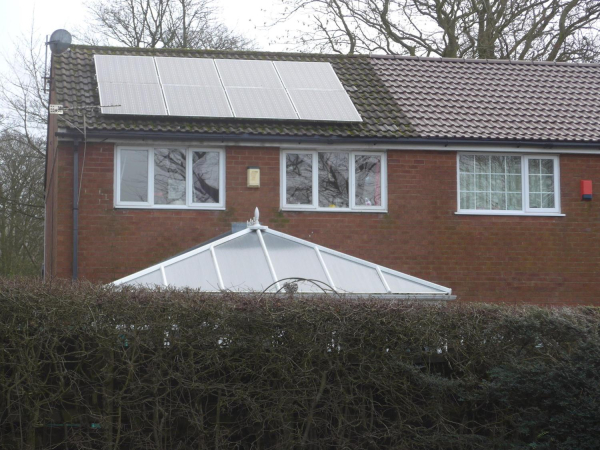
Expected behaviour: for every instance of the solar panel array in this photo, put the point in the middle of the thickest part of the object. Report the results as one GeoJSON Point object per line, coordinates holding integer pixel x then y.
{"type": "Point", "coordinates": [221, 88]}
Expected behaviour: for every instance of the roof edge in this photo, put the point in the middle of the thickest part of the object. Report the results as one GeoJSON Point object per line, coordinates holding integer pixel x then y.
{"type": "Point", "coordinates": [125, 135]}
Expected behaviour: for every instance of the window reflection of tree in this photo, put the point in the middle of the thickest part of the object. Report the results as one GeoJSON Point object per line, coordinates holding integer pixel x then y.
{"type": "Point", "coordinates": [333, 179]}
{"type": "Point", "coordinates": [169, 176]}
{"type": "Point", "coordinates": [368, 180]}
{"type": "Point", "coordinates": [205, 172]}
{"type": "Point", "coordinates": [299, 178]}
{"type": "Point", "coordinates": [134, 176]}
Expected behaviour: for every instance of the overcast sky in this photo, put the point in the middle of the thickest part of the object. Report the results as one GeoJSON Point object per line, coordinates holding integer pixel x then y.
{"type": "Point", "coordinates": [245, 16]}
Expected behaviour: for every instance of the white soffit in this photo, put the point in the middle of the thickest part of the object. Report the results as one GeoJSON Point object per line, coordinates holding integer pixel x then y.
{"type": "Point", "coordinates": [222, 88]}
{"type": "Point", "coordinates": [129, 85]}
{"type": "Point", "coordinates": [258, 258]}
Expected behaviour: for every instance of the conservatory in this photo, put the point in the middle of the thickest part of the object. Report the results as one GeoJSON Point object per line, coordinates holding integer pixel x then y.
{"type": "Point", "coordinates": [258, 259]}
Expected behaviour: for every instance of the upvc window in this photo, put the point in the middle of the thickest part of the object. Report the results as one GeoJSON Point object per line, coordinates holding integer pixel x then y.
{"type": "Point", "coordinates": [170, 178]}
{"type": "Point", "coordinates": [333, 181]}
{"type": "Point", "coordinates": [508, 184]}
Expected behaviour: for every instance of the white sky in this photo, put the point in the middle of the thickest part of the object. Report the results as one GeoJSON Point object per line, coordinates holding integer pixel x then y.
{"type": "Point", "coordinates": [16, 16]}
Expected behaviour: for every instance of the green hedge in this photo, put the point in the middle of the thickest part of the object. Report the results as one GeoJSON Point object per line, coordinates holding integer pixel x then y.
{"type": "Point", "coordinates": [91, 367]}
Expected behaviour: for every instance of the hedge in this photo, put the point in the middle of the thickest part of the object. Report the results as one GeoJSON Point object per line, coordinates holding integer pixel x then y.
{"type": "Point", "coordinates": [92, 367]}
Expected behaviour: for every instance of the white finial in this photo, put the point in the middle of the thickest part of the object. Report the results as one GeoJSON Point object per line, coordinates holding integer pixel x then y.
{"type": "Point", "coordinates": [254, 223]}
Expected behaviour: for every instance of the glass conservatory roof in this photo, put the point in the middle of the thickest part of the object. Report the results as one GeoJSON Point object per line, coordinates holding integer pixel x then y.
{"type": "Point", "coordinates": [260, 259]}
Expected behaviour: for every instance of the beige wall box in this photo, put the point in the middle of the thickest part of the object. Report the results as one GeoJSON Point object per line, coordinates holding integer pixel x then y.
{"type": "Point", "coordinates": [253, 177]}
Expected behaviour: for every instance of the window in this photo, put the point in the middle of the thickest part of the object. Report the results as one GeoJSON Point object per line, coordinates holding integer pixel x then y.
{"type": "Point", "coordinates": [508, 184]}
{"type": "Point", "coordinates": [327, 181]}
{"type": "Point", "coordinates": [171, 178]}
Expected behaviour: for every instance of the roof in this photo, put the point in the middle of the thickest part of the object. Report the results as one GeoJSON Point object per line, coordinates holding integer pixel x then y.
{"type": "Point", "coordinates": [260, 259]}
{"type": "Point", "coordinates": [397, 97]}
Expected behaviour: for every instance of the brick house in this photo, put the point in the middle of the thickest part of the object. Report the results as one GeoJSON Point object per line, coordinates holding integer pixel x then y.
{"type": "Point", "coordinates": [464, 173]}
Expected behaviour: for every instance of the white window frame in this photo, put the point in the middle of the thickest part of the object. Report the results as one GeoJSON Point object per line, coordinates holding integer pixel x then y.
{"type": "Point", "coordinates": [351, 182]}
{"type": "Point", "coordinates": [526, 209]}
{"type": "Point", "coordinates": [188, 182]}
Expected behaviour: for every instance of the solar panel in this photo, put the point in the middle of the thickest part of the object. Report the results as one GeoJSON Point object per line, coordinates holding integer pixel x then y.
{"type": "Point", "coordinates": [316, 91]}
{"type": "Point", "coordinates": [192, 87]}
{"type": "Point", "coordinates": [248, 73]}
{"type": "Point", "coordinates": [253, 103]}
{"type": "Point", "coordinates": [130, 82]}
{"type": "Point", "coordinates": [125, 69]}
{"type": "Point", "coordinates": [188, 71]}
{"type": "Point", "coordinates": [202, 87]}
{"type": "Point", "coordinates": [138, 99]}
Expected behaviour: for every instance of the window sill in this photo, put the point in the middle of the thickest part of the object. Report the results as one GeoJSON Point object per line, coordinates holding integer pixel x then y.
{"type": "Point", "coordinates": [503, 213]}
{"type": "Point", "coordinates": [172, 207]}
{"type": "Point", "coordinates": [334, 210]}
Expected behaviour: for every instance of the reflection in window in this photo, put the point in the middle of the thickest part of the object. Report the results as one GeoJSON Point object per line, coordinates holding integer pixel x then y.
{"type": "Point", "coordinates": [541, 183]}
{"type": "Point", "coordinates": [134, 176]}
{"type": "Point", "coordinates": [169, 177]}
{"type": "Point", "coordinates": [205, 175]}
{"type": "Point", "coordinates": [367, 171]}
{"type": "Point", "coordinates": [490, 182]}
{"type": "Point", "coordinates": [298, 170]}
{"type": "Point", "coordinates": [333, 179]}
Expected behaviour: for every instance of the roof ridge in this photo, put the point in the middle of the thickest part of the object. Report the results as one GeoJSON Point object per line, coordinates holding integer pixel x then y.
{"type": "Point", "coordinates": [196, 50]}
{"type": "Point", "coordinates": [485, 61]}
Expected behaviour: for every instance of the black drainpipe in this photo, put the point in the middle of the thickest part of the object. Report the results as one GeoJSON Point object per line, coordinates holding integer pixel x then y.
{"type": "Point", "coordinates": [75, 206]}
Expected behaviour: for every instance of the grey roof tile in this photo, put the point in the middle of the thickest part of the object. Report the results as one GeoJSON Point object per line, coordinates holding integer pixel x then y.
{"type": "Point", "coordinates": [397, 97]}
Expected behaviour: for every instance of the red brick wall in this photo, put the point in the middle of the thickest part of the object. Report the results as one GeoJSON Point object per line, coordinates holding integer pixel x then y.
{"type": "Point", "coordinates": [487, 258]}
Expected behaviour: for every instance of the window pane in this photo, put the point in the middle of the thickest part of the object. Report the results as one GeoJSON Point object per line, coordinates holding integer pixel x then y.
{"type": "Point", "coordinates": [513, 164]}
{"type": "Point", "coordinates": [541, 183]}
{"type": "Point", "coordinates": [467, 182]}
{"type": "Point", "coordinates": [547, 200]}
{"type": "Point", "coordinates": [467, 200]}
{"type": "Point", "coordinates": [298, 178]}
{"type": "Point", "coordinates": [169, 177]}
{"type": "Point", "coordinates": [134, 176]}
{"type": "Point", "coordinates": [514, 183]}
{"type": "Point", "coordinates": [514, 202]}
{"type": "Point", "coordinates": [333, 180]}
{"type": "Point", "coordinates": [482, 164]}
{"type": "Point", "coordinates": [535, 200]}
{"type": "Point", "coordinates": [368, 180]}
{"type": "Point", "coordinates": [534, 166]}
{"type": "Point", "coordinates": [498, 164]}
{"type": "Point", "coordinates": [467, 163]}
{"type": "Point", "coordinates": [205, 177]}
{"type": "Point", "coordinates": [496, 183]}
{"type": "Point", "coordinates": [482, 200]}
{"type": "Point", "coordinates": [498, 201]}
{"type": "Point", "coordinates": [548, 166]}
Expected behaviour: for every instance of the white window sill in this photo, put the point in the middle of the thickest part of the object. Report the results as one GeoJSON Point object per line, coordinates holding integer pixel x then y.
{"type": "Point", "coordinates": [334, 210]}
{"type": "Point", "coordinates": [172, 207]}
{"type": "Point", "coordinates": [508, 213]}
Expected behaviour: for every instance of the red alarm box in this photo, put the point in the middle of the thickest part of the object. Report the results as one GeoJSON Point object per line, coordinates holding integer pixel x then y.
{"type": "Point", "coordinates": [586, 189]}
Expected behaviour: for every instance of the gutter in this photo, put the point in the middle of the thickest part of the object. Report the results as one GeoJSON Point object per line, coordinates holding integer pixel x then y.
{"type": "Point", "coordinates": [180, 136]}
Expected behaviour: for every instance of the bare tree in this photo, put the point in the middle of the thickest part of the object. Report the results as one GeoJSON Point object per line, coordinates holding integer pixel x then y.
{"type": "Point", "coordinates": [553, 30]}
{"type": "Point", "coordinates": [161, 23]}
{"type": "Point", "coordinates": [21, 205]}
{"type": "Point", "coordinates": [23, 104]}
